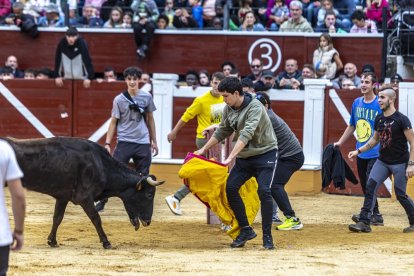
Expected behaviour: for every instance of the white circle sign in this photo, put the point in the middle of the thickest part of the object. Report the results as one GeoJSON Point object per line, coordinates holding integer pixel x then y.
{"type": "Point", "coordinates": [272, 53]}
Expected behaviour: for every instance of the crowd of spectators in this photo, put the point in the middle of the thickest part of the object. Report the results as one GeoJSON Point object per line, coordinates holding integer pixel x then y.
{"type": "Point", "coordinates": [247, 15]}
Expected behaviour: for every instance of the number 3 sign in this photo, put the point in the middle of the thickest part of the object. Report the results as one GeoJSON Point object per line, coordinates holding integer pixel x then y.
{"type": "Point", "coordinates": [268, 51]}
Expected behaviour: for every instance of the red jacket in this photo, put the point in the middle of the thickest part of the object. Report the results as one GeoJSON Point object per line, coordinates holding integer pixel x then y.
{"type": "Point", "coordinates": [375, 12]}
{"type": "Point", "coordinates": [5, 7]}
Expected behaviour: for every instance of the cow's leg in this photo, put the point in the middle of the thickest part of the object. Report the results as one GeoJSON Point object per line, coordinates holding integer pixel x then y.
{"type": "Point", "coordinates": [93, 215]}
{"type": "Point", "coordinates": [60, 207]}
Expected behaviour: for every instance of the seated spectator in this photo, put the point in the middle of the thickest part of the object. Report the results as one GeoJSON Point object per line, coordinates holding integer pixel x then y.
{"type": "Point", "coordinates": [350, 72]}
{"type": "Point", "coordinates": [259, 86]}
{"type": "Point", "coordinates": [30, 74]}
{"type": "Point", "coordinates": [268, 79]}
{"type": "Point", "coordinates": [145, 15]}
{"type": "Point", "coordinates": [11, 61]}
{"type": "Point", "coordinates": [190, 79]}
{"type": "Point", "coordinates": [105, 10]}
{"type": "Point", "coordinates": [347, 84]}
{"type": "Point", "coordinates": [89, 17]}
{"type": "Point", "coordinates": [326, 6]}
{"type": "Point", "coordinates": [374, 11]}
{"type": "Point", "coordinates": [115, 19]}
{"type": "Point", "coordinates": [209, 12]}
{"type": "Point", "coordinates": [330, 25]}
{"type": "Point", "coordinates": [256, 67]}
{"type": "Point", "coordinates": [328, 56]}
{"type": "Point", "coordinates": [97, 4]}
{"type": "Point", "coordinates": [278, 14]}
{"type": "Point", "coordinates": [361, 25]}
{"type": "Point", "coordinates": [308, 72]}
{"type": "Point", "coordinates": [345, 8]}
{"type": "Point", "coordinates": [244, 8]}
{"type": "Point", "coordinates": [25, 22]}
{"type": "Point", "coordinates": [196, 12]}
{"type": "Point", "coordinates": [7, 73]}
{"type": "Point", "coordinates": [73, 16]}
{"type": "Point", "coordinates": [52, 17]}
{"type": "Point", "coordinates": [296, 22]}
{"type": "Point", "coordinates": [226, 67]}
{"type": "Point", "coordinates": [249, 23]}
{"type": "Point", "coordinates": [145, 78]}
{"type": "Point", "coordinates": [395, 80]}
{"type": "Point", "coordinates": [169, 11]}
{"type": "Point", "coordinates": [5, 8]}
{"type": "Point", "coordinates": [204, 78]}
{"type": "Point", "coordinates": [44, 74]}
{"type": "Point", "coordinates": [216, 23]}
{"type": "Point", "coordinates": [163, 23]}
{"type": "Point", "coordinates": [127, 20]}
{"type": "Point", "coordinates": [182, 20]}
{"type": "Point", "coordinates": [247, 85]}
{"type": "Point", "coordinates": [291, 77]}
{"type": "Point", "coordinates": [109, 75]}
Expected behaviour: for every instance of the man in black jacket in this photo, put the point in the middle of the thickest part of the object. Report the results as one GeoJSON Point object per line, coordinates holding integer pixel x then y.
{"type": "Point", "coordinates": [73, 60]}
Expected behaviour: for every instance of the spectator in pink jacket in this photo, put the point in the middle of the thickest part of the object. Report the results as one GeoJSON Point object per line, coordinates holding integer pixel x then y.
{"type": "Point", "coordinates": [374, 11]}
{"type": "Point", "coordinates": [5, 7]}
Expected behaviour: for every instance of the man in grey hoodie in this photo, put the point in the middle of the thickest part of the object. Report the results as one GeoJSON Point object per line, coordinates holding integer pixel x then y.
{"type": "Point", "coordinates": [255, 153]}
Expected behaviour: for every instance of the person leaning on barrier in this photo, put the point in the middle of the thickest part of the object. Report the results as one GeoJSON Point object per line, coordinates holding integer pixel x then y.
{"type": "Point", "coordinates": [72, 60]}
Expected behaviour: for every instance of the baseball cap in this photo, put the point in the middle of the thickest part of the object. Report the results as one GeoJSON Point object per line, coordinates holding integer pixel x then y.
{"type": "Point", "coordinates": [396, 77]}
{"type": "Point", "coordinates": [368, 68]}
{"type": "Point", "coordinates": [267, 73]}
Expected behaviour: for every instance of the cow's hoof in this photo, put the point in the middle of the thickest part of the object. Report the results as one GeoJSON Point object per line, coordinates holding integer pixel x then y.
{"type": "Point", "coordinates": [52, 243]}
{"type": "Point", "coordinates": [107, 245]}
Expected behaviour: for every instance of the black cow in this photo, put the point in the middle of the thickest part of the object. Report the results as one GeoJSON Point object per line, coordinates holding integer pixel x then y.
{"type": "Point", "coordinates": [82, 172]}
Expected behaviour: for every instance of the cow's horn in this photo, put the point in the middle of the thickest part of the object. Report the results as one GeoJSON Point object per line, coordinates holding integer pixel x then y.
{"type": "Point", "coordinates": [153, 182]}
{"type": "Point", "coordinates": [138, 186]}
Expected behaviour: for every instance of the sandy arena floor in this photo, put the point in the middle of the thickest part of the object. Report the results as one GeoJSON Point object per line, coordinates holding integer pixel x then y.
{"type": "Point", "coordinates": [177, 244]}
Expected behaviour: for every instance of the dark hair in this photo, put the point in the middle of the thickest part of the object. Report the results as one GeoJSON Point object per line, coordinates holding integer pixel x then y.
{"type": "Point", "coordinates": [228, 63]}
{"type": "Point", "coordinates": [328, 38]}
{"type": "Point", "coordinates": [7, 70]}
{"type": "Point", "coordinates": [372, 75]}
{"type": "Point", "coordinates": [133, 72]}
{"type": "Point", "coordinates": [110, 68]}
{"type": "Point", "coordinates": [264, 99]}
{"type": "Point", "coordinates": [163, 16]}
{"type": "Point", "coordinates": [30, 70]}
{"type": "Point", "coordinates": [330, 13]}
{"type": "Point", "coordinates": [235, 71]}
{"type": "Point", "coordinates": [192, 72]}
{"type": "Point", "coordinates": [231, 85]}
{"type": "Point", "coordinates": [218, 75]}
{"type": "Point", "coordinates": [246, 82]}
{"type": "Point", "coordinates": [358, 15]}
{"type": "Point", "coordinates": [259, 86]}
{"type": "Point", "coordinates": [309, 66]}
{"type": "Point", "coordinates": [72, 31]}
{"type": "Point", "coordinates": [45, 71]}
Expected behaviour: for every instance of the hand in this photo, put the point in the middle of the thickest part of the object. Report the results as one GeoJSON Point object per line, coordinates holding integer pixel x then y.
{"type": "Point", "coordinates": [352, 154]}
{"type": "Point", "coordinates": [17, 241]}
{"type": "Point", "coordinates": [108, 148]}
{"type": "Point", "coordinates": [227, 161]}
{"type": "Point", "coordinates": [99, 80]}
{"type": "Point", "coordinates": [59, 82]}
{"type": "Point", "coordinates": [171, 136]}
{"type": "Point", "coordinates": [410, 171]}
{"type": "Point", "coordinates": [154, 149]}
{"type": "Point", "coordinates": [200, 151]}
{"type": "Point", "coordinates": [208, 129]}
{"type": "Point", "coordinates": [295, 83]}
{"type": "Point", "coordinates": [87, 83]}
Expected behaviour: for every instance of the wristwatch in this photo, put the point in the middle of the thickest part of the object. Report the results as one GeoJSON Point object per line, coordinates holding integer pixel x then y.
{"type": "Point", "coordinates": [410, 163]}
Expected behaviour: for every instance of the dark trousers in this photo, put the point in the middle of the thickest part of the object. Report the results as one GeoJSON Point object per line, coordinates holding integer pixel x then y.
{"type": "Point", "coordinates": [364, 167]}
{"type": "Point", "coordinates": [380, 171]}
{"type": "Point", "coordinates": [145, 38]}
{"type": "Point", "coordinates": [140, 154]}
{"type": "Point", "coordinates": [4, 259]}
{"type": "Point", "coordinates": [286, 167]}
{"type": "Point", "coordinates": [263, 168]}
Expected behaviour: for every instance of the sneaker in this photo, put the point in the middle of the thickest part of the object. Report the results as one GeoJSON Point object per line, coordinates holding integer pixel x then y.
{"type": "Point", "coordinates": [360, 227]}
{"type": "Point", "coordinates": [290, 224]}
{"type": "Point", "coordinates": [268, 242]}
{"type": "Point", "coordinates": [141, 52]}
{"type": "Point", "coordinates": [174, 205]}
{"type": "Point", "coordinates": [225, 227]}
{"type": "Point", "coordinates": [376, 220]}
{"type": "Point", "coordinates": [276, 220]}
{"type": "Point", "coordinates": [409, 229]}
{"type": "Point", "coordinates": [100, 205]}
{"type": "Point", "coordinates": [246, 233]}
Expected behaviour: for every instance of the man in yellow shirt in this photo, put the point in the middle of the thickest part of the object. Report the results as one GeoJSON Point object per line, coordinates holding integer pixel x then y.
{"type": "Point", "coordinates": [208, 109]}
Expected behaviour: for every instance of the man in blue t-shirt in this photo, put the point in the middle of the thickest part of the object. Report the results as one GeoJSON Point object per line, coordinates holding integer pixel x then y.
{"type": "Point", "coordinates": [363, 113]}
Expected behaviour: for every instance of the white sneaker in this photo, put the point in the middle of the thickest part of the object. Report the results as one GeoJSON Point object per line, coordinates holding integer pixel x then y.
{"type": "Point", "coordinates": [174, 205]}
